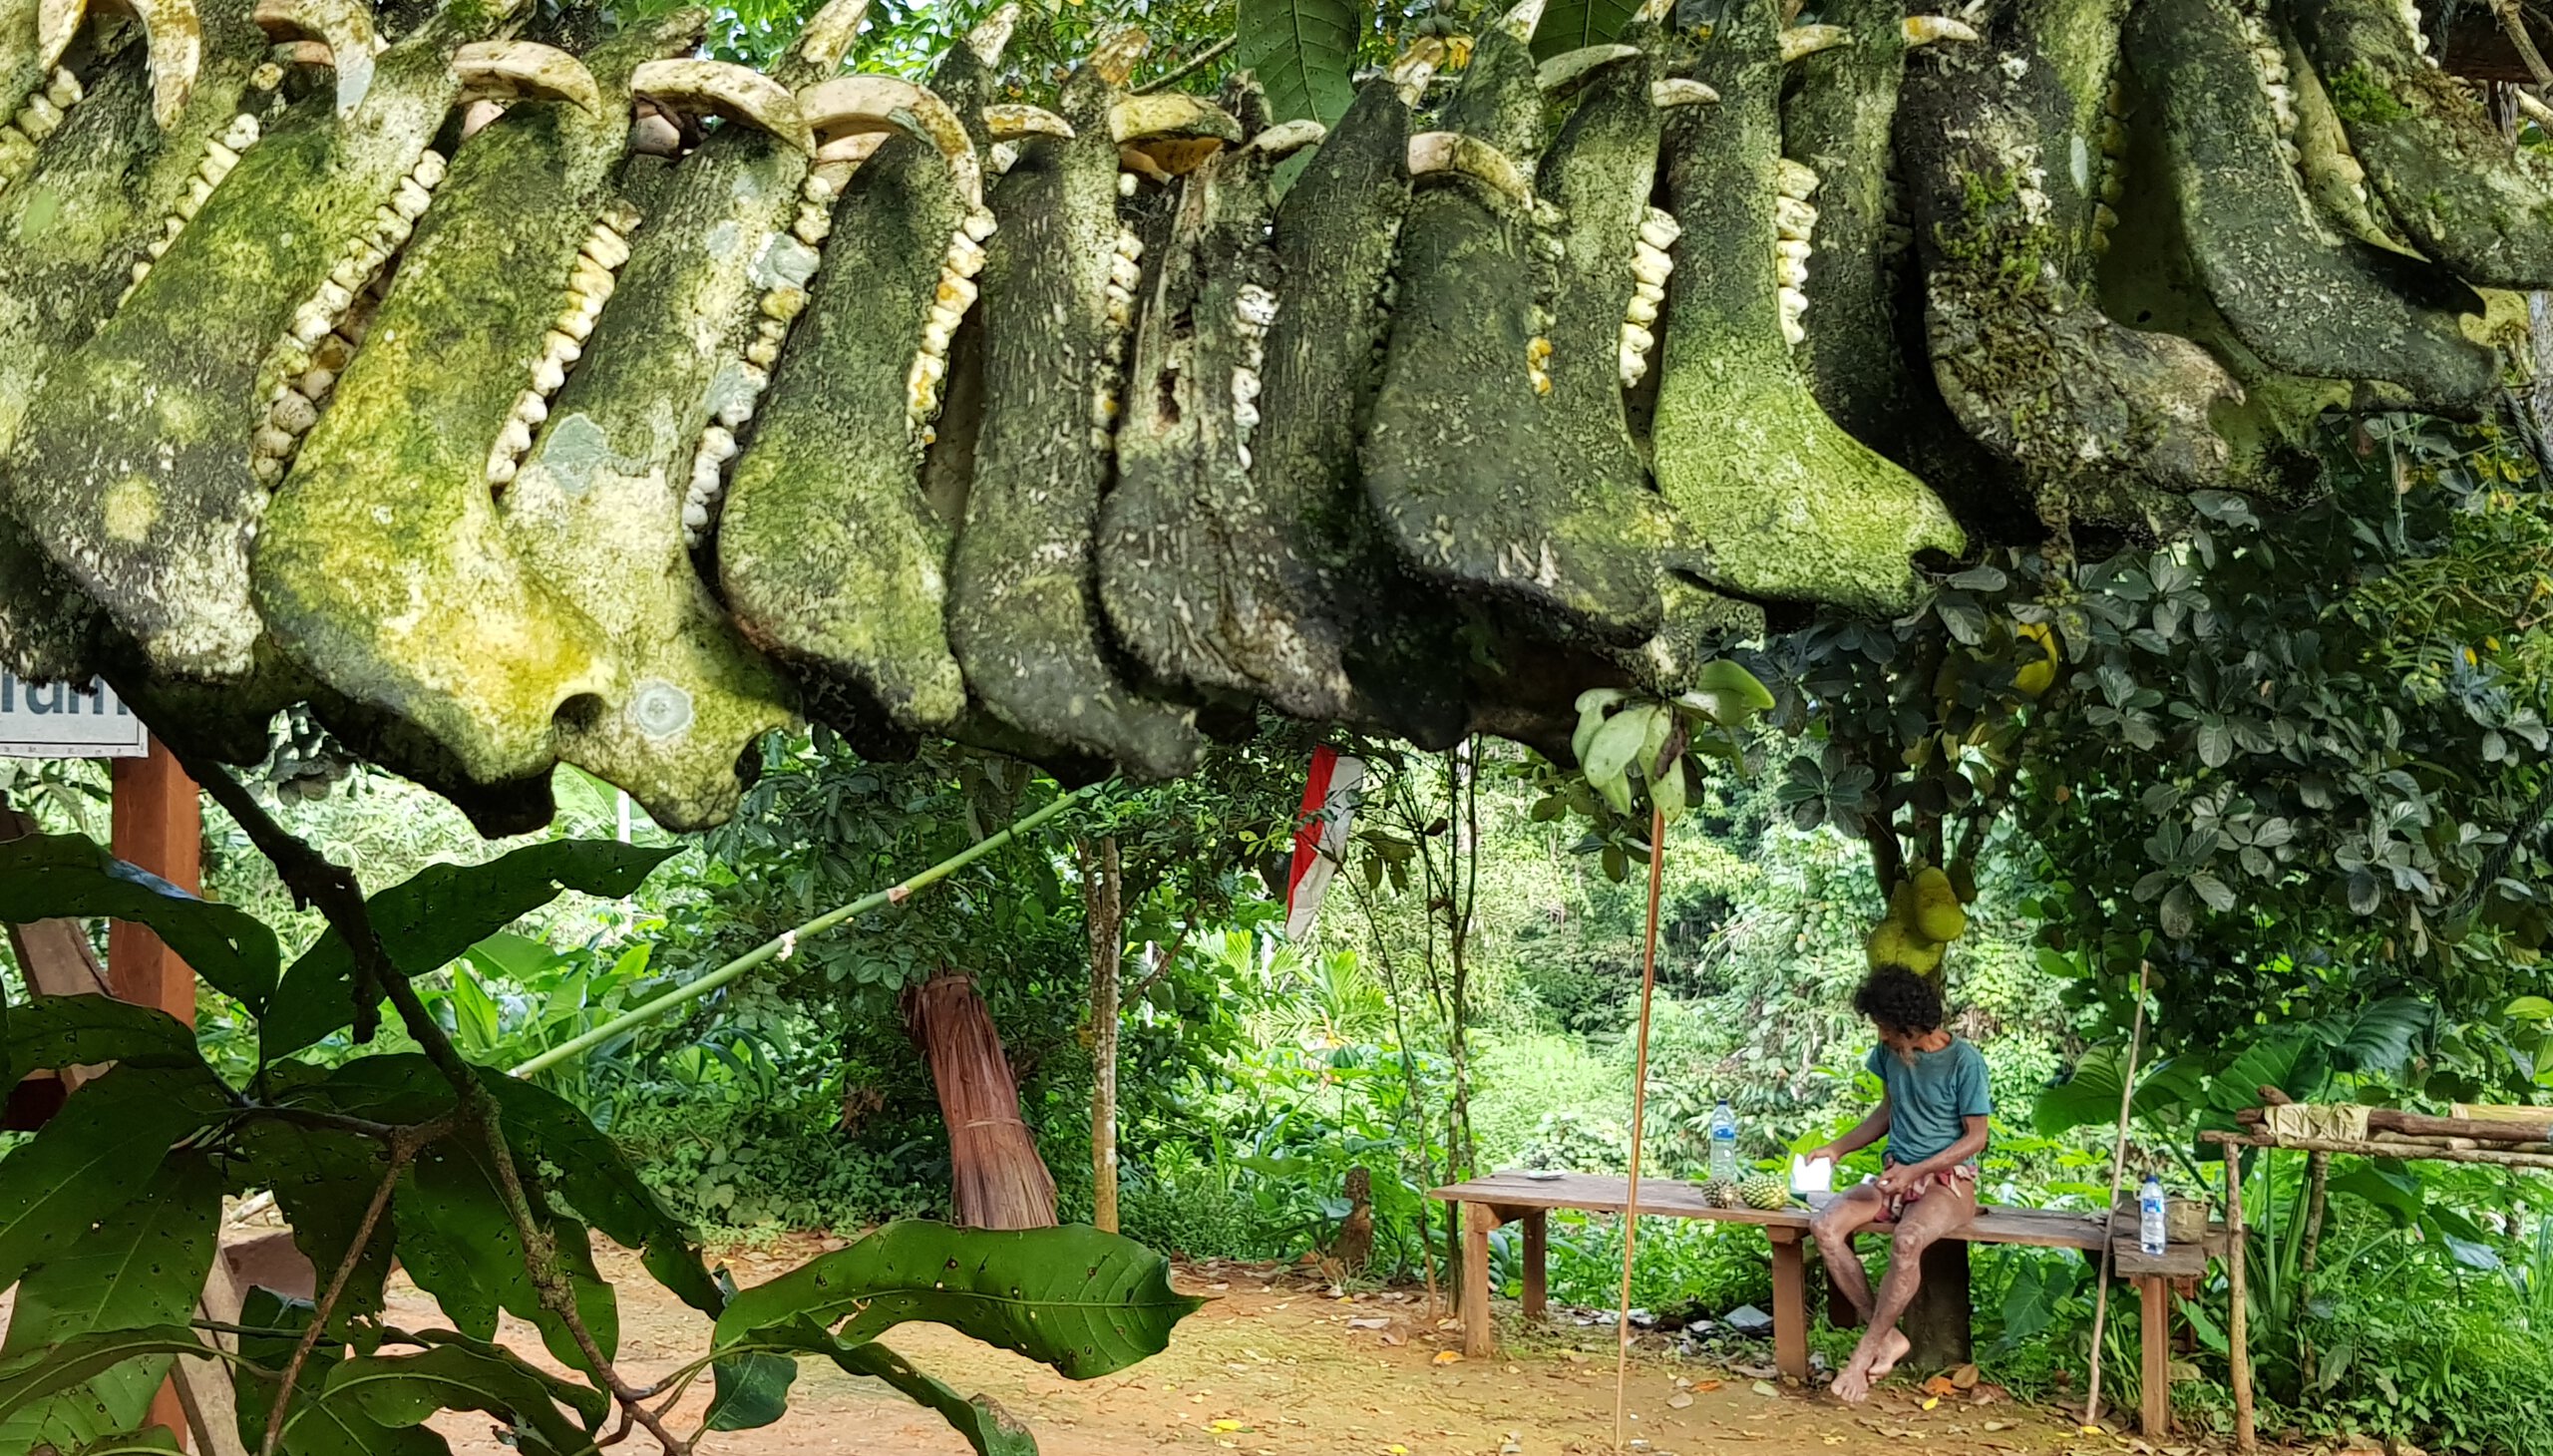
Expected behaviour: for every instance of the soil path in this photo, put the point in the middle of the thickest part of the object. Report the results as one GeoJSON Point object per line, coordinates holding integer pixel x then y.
{"type": "Point", "coordinates": [1274, 1366]}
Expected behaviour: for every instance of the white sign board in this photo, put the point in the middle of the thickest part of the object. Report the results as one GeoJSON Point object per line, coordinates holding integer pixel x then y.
{"type": "Point", "coordinates": [57, 720]}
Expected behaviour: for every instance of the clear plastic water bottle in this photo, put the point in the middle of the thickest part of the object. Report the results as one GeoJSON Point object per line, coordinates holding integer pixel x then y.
{"type": "Point", "coordinates": [2149, 1217]}
{"type": "Point", "coordinates": [1724, 1143]}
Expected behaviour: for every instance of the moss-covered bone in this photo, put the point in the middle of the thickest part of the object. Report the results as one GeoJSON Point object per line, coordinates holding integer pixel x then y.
{"type": "Point", "coordinates": [830, 555]}
{"type": "Point", "coordinates": [1462, 463]}
{"type": "Point", "coordinates": [1196, 574]}
{"type": "Point", "coordinates": [2007, 149]}
{"type": "Point", "coordinates": [1799, 509]}
{"type": "Point", "coordinates": [2307, 301]}
{"type": "Point", "coordinates": [384, 568]}
{"type": "Point", "coordinates": [172, 30]}
{"type": "Point", "coordinates": [139, 484]}
{"type": "Point", "coordinates": [1023, 610]}
{"type": "Point", "coordinates": [2467, 195]}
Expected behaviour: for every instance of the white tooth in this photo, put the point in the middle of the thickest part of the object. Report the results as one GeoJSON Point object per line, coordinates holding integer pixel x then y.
{"type": "Point", "coordinates": [217, 155]}
{"type": "Point", "coordinates": [1128, 244]}
{"type": "Point", "coordinates": [736, 411]}
{"type": "Point", "coordinates": [1653, 292]}
{"type": "Point", "coordinates": [1242, 451]}
{"type": "Point", "coordinates": [811, 228]}
{"type": "Point", "coordinates": [1637, 339]}
{"type": "Point", "coordinates": [65, 90]}
{"type": "Point", "coordinates": [1794, 180]}
{"type": "Point", "coordinates": [1792, 333]}
{"type": "Point", "coordinates": [1002, 156]}
{"type": "Point", "coordinates": [955, 292]}
{"type": "Point", "coordinates": [391, 233]}
{"type": "Point", "coordinates": [1794, 218]}
{"type": "Point", "coordinates": [429, 167]}
{"type": "Point", "coordinates": [930, 368]}
{"type": "Point", "coordinates": [696, 516]}
{"type": "Point", "coordinates": [547, 375]}
{"type": "Point", "coordinates": [244, 132]}
{"type": "Point", "coordinates": [979, 226]}
{"type": "Point", "coordinates": [514, 439]}
{"type": "Point", "coordinates": [189, 205]}
{"type": "Point", "coordinates": [605, 248]}
{"type": "Point", "coordinates": [530, 408]}
{"type": "Point", "coordinates": [267, 469]}
{"type": "Point", "coordinates": [936, 336]}
{"type": "Point", "coordinates": [141, 270]}
{"type": "Point", "coordinates": [1125, 183]}
{"type": "Point", "coordinates": [706, 483]}
{"type": "Point", "coordinates": [1244, 385]}
{"type": "Point", "coordinates": [1790, 272]}
{"type": "Point", "coordinates": [1642, 310]}
{"type": "Point", "coordinates": [575, 323]}
{"type": "Point", "coordinates": [159, 247]}
{"type": "Point", "coordinates": [783, 305]}
{"type": "Point", "coordinates": [268, 440]}
{"type": "Point", "coordinates": [1794, 303]}
{"type": "Point", "coordinates": [1246, 414]}
{"type": "Point", "coordinates": [336, 298]}
{"type": "Point", "coordinates": [294, 414]}
{"type": "Point", "coordinates": [561, 347]}
{"type": "Point", "coordinates": [174, 226]}
{"type": "Point", "coordinates": [1649, 266]}
{"type": "Point", "coordinates": [1118, 291]}
{"type": "Point", "coordinates": [501, 471]}
{"type": "Point", "coordinates": [965, 254]}
{"type": "Point", "coordinates": [309, 326]}
{"type": "Point", "coordinates": [412, 201]}
{"type": "Point", "coordinates": [756, 380]}
{"type": "Point", "coordinates": [763, 352]}
{"type": "Point", "coordinates": [1632, 365]}
{"type": "Point", "coordinates": [39, 117]}
{"type": "Point", "coordinates": [348, 275]}
{"type": "Point", "coordinates": [1659, 235]}
{"type": "Point", "coordinates": [1121, 312]}
{"type": "Point", "coordinates": [817, 190]}
{"type": "Point", "coordinates": [1255, 306]}
{"type": "Point", "coordinates": [717, 444]}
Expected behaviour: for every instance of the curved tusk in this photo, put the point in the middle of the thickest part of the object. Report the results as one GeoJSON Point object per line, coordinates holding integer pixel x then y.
{"type": "Point", "coordinates": [503, 71]}
{"type": "Point", "coordinates": [1520, 22]}
{"type": "Point", "coordinates": [1570, 69]}
{"type": "Point", "coordinates": [2535, 107]}
{"type": "Point", "coordinates": [1680, 90]}
{"type": "Point", "coordinates": [1439, 152]}
{"type": "Point", "coordinates": [1005, 121]}
{"type": "Point", "coordinates": [1808, 40]}
{"type": "Point", "coordinates": [993, 36]}
{"type": "Point", "coordinates": [1925, 30]}
{"type": "Point", "coordinates": [343, 26]}
{"type": "Point", "coordinates": [737, 93]}
{"type": "Point", "coordinates": [1416, 66]}
{"type": "Point", "coordinates": [826, 38]}
{"type": "Point", "coordinates": [174, 33]}
{"type": "Point", "coordinates": [1288, 137]}
{"type": "Point", "coordinates": [1172, 133]}
{"type": "Point", "coordinates": [1115, 55]}
{"type": "Point", "coordinates": [851, 105]}
{"type": "Point", "coordinates": [855, 148]}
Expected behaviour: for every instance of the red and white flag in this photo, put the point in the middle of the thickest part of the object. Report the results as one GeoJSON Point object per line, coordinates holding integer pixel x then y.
{"type": "Point", "coordinates": [1320, 835]}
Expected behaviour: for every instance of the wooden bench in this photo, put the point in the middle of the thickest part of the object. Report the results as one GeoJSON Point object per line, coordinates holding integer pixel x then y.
{"type": "Point", "coordinates": [1505, 1198]}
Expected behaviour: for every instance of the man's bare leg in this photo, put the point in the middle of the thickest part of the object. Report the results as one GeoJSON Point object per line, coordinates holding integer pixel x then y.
{"type": "Point", "coordinates": [1927, 1219]}
{"type": "Point", "coordinates": [1834, 1227]}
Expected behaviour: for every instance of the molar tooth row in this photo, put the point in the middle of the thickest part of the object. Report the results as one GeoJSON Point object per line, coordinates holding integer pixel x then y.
{"type": "Point", "coordinates": [1795, 180]}
{"type": "Point", "coordinates": [220, 157]}
{"type": "Point", "coordinates": [948, 305]}
{"type": "Point", "coordinates": [1253, 310]}
{"type": "Point", "coordinates": [1650, 265]}
{"type": "Point", "coordinates": [1794, 226]}
{"type": "Point", "coordinates": [778, 308]}
{"type": "Point", "coordinates": [589, 285]}
{"type": "Point", "coordinates": [38, 119]}
{"type": "Point", "coordinates": [2414, 22]}
{"type": "Point", "coordinates": [1538, 357]}
{"type": "Point", "coordinates": [1125, 275]}
{"type": "Point", "coordinates": [293, 409]}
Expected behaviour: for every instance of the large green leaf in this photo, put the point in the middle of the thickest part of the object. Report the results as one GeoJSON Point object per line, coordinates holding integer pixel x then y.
{"type": "Point", "coordinates": [457, 1241]}
{"type": "Point", "coordinates": [600, 1185]}
{"type": "Point", "coordinates": [59, 1367]}
{"type": "Point", "coordinates": [2381, 1038]}
{"type": "Point", "coordinates": [43, 877]}
{"type": "Point", "coordinates": [1570, 24]}
{"type": "Point", "coordinates": [1304, 54]}
{"type": "Point", "coordinates": [86, 1030]}
{"type": "Point", "coordinates": [323, 1180]}
{"type": "Point", "coordinates": [989, 1429]}
{"type": "Point", "coordinates": [428, 922]}
{"type": "Point", "coordinates": [406, 1389]}
{"type": "Point", "coordinates": [1082, 1302]}
{"type": "Point", "coordinates": [142, 1265]}
{"type": "Point", "coordinates": [97, 1154]}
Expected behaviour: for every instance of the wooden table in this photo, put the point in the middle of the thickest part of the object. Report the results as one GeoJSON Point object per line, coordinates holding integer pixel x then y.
{"type": "Point", "coordinates": [1510, 1197]}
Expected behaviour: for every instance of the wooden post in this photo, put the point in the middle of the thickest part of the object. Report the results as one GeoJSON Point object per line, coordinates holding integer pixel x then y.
{"type": "Point", "coordinates": [1939, 1322]}
{"type": "Point", "coordinates": [1537, 1261]}
{"type": "Point", "coordinates": [2154, 1294]}
{"type": "Point", "coordinates": [1103, 879]}
{"type": "Point", "coordinates": [159, 827]}
{"type": "Point", "coordinates": [1790, 1302]}
{"type": "Point", "coordinates": [2237, 1319]}
{"type": "Point", "coordinates": [1480, 1335]}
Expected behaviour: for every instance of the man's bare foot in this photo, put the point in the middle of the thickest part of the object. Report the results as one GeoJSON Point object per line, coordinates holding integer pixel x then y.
{"type": "Point", "coordinates": [1892, 1347]}
{"type": "Point", "coordinates": [1853, 1386]}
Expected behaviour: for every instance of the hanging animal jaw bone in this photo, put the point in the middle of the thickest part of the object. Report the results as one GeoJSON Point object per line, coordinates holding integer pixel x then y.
{"type": "Point", "coordinates": [1460, 462]}
{"type": "Point", "coordinates": [1023, 615]}
{"type": "Point", "coordinates": [2307, 301]}
{"type": "Point", "coordinates": [337, 34]}
{"type": "Point", "coordinates": [385, 567]}
{"type": "Point", "coordinates": [1798, 509]}
{"type": "Point", "coordinates": [2008, 147]}
{"type": "Point", "coordinates": [737, 93]}
{"type": "Point", "coordinates": [830, 555]}
{"type": "Point", "coordinates": [145, 494]}
{"type": "Point", "coordinates": [170, 28]}
{"type": "Point", "coordinates": [2465, 196]}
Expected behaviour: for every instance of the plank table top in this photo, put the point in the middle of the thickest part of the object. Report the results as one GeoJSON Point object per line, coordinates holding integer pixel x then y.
{"type": "Point", "coordinates": [1676, 1199]}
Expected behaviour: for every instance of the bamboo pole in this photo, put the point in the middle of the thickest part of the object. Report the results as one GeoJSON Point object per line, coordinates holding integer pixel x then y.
{"type": "Point", "coordinates": [1639, 1115]}
{"type": "Point", "coordinates": [2239, 1317]}
{"type": "Point", "coordinates": [2368, 1148]}
{"type": "Point", "coordinates": [2118, 1170]}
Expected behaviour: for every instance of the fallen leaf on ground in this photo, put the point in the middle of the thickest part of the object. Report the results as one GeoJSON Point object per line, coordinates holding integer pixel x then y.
{"type": "Point", "coordinates": [1393, 1337]}
{"type": "Point", "coordinates": [1767, 1387]}
{"type": "Point", "coordinates": [1376, 1323]}
{"type": "Point", "coordinates": [1965, 1377]}
{"type": "Point", "coordinates": [1938, 1385]}
{"type": "Point", "coordinates": [1708, 1386]}
{"type": "Point", "coordinates": [1679, 1401]}
{"type": "Point", "coordinates": [1998, 1425]}
{"type": "Point", "coordinates": [1931, 1400]}
{"type": "Point", "coordinates": [1225, 1426]}
{"type": "Point", "coordinates": [1447, 1357]}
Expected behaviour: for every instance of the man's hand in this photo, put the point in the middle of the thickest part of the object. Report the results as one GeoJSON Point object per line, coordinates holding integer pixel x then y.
{"type": "Point", "coordinates": [1828, 1153]}
{"type": "Point", "coordinates": [1896, 1178]}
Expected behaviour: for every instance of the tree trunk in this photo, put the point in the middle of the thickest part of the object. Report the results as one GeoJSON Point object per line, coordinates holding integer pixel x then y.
{"type": "Point", "coordinates": [1937, 1324]}
{"type": "Point", "coordinates": [1103, 885]}
{"type": "Point", "coordinates": [1001, 1181]}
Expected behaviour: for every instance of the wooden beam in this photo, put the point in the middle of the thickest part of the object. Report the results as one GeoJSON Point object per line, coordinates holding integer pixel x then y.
{"type": "Point", "coordinates": [1537, 1264]}
{"type": "Point", "coordinates": [2155, 1416]}
{"type": "Point", "coordinates": [159, 827]}
{"type": "Point", "coordinates": [1790, 1302]}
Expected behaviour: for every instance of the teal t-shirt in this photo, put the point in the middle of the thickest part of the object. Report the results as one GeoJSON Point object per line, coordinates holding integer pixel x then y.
{"type": "Point", "coordinates": [1928, 1099]}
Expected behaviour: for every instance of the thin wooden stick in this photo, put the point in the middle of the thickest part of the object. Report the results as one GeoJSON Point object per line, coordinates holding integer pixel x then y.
{"type": "Point", "coordinates": [2118, 1171]}
{"type": "Point", "coordinates": [1640, 1118]}
{"type": "Point", "coordinates": [2239, 1317]}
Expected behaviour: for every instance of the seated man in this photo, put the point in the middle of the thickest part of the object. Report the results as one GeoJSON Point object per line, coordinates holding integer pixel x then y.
{"type": "Point", "coordinates": [1933, 1112]}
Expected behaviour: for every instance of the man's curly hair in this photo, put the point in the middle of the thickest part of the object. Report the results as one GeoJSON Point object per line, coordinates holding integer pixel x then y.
{"type": "Point", "coordinates": [1899, 1000]}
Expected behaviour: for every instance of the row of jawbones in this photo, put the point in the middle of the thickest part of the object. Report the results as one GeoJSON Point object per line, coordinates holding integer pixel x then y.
{"type": "Point", "coordinates": [1058, 432]}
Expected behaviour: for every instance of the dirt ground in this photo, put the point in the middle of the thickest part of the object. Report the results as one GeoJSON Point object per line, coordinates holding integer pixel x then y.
{"type": "Point", "coordinates": [1273, 1364]}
